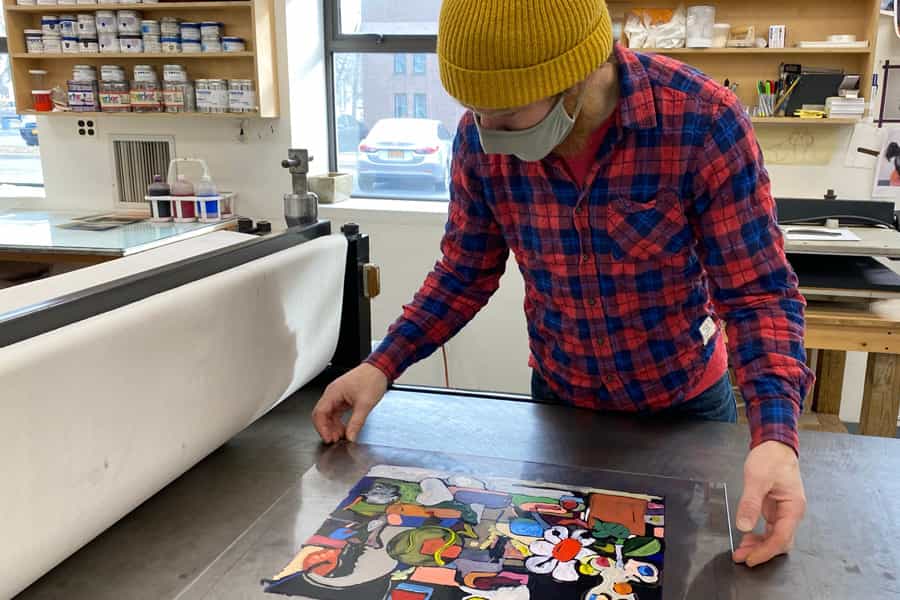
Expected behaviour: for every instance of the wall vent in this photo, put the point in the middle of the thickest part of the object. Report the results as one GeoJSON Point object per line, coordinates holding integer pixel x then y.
{"type": "Point", "coordinates": [136, 159]}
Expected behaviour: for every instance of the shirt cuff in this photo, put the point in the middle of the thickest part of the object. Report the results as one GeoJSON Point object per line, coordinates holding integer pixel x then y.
{"type": "Point", "coordinates": [384, 360]}
{"type": "Point", "coordinates": [774, 419]}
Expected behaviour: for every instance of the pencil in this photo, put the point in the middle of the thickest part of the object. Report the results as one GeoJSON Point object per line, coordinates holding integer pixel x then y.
{"type": "Point", "coordinates": [785, 95]}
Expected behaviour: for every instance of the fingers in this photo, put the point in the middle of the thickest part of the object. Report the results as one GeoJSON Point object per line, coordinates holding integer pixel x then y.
{"type": "Point", "coordinates": [750, 507]}
{"type": "Point", "coordinates": [361, 411]}
{"type": "Point", "coordinates": [748, 543]}
{"type": "Point", "coordinates": [326, 416]}
{"type": "Point", "coordinates": [778, 542]}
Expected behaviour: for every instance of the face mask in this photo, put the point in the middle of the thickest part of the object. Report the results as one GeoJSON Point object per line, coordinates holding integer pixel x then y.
{"type": "Point", "coordinates": [536, 143]}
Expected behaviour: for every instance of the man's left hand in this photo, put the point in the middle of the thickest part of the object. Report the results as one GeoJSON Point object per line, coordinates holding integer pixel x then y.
{"type": "Point", "coordinates": [773, 489]}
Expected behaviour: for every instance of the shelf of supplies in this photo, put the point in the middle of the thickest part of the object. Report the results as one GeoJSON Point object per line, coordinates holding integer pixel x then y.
{"type": "Point", "coordinates": [763, 51]}
{"type": "Point", "coordinates": [87, 115]}
{"type": "Point", "coordinates": [803, 122]}
{"type": "Point", "coordinates": [135, 56]}
{"type": "Point", "coordinates": [64, 8]}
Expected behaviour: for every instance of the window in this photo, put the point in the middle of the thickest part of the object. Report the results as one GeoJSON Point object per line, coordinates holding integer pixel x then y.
{"type": "Point", "coordinates": [399, 64]}
{"type": "Point", "coordinates": [420, 106]}
{"type": "Point", "coordinates": [390, 126]}
{"type": "Point", "coordinates": [419, 63]}
{"type": "Point", "coordinates": [400, 108]}
{"type": "Point", "coordinates": [20, 159]}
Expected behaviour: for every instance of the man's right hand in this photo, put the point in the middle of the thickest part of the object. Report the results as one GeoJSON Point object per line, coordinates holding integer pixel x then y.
{"type": "Point", "coordinates": [358, 391]}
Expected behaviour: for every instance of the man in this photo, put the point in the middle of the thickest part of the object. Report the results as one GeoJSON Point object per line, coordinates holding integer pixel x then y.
{"type": "Point", "coordinates": [632, 192]}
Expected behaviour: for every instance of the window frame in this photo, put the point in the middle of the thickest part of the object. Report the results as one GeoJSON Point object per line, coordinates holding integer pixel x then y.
{"type": "Point", "coordinates": [405, 104]}
{"type": "Point", "coordinates": [338, 42]}
{"type": "Point", "coordinates": [400, 63]}
{"type": "Point", "coordinates": [416, 61]}
{"type": "Point", "coordinates": [417, 96]}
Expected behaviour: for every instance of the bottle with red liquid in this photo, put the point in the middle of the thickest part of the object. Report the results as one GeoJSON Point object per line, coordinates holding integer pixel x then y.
{"type": "Point", "coordinates": [187, 210]}
{"type": "Point", "coordinates": [41, 96]}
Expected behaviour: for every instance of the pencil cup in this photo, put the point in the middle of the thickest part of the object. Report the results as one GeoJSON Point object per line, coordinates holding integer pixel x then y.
{"type": "Point", "coordinates": [766, 105]}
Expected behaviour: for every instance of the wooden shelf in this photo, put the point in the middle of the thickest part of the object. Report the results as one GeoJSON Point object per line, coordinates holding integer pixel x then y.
{"type": "Point", "coordinates": [804, 20]}
{"type": "Point", "coordinates": [796, 121]}
{"type": "Point", "coordinates": [252, 20]}
{"type": "Point", "coordinates": [756, 51]}
{"type": "Point", "coordinates": [136, 56]}
{"type": "Point", "coordinates": [88, 115]}
{"type": "Point", "coordinates": [160, 6]}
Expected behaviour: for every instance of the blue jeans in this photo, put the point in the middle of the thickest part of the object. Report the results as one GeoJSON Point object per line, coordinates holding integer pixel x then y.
{"type": "Point", "coordinates": [716, 403]}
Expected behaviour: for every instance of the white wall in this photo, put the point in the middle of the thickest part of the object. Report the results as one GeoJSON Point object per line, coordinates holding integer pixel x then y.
{"type": "Point", "coordinates": [492, 352]}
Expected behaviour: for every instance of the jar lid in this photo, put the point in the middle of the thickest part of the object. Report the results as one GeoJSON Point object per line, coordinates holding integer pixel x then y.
{"type": "Point", "coordinates": [232, 39]}
{"type": "Point", "coordinates": [213, 23]}
{"type": "Point", "coordinates": [34, 32]}
{"type": "Point", "coordinates": [67, 18]}
{"type": "Point", "coordinates": [190, 24]}
{"type": "Point", "coordinates": [37, 72]}
{"type": "Point", "coordinates": [49, 18]}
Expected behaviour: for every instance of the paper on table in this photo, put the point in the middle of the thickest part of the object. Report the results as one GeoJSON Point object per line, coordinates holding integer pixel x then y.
{"type": "Point", "coordinates": [801, 233]}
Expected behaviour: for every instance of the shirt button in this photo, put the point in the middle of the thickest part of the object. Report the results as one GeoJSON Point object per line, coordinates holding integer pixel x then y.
{"type": "Point", "coordinates": [586, 257]}
{"type": "Point", "coordinates": [592, 302]}
{"type": "Point", "coordinates": [579, 209]}
{"type": "Point", "coordinates": [610, 379]}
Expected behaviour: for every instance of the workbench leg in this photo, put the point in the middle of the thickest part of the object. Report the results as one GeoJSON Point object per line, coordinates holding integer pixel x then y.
{"type": "Point", "coordinates": [829, 381]}
{"type": "Point", "coordinates": [881, 397]}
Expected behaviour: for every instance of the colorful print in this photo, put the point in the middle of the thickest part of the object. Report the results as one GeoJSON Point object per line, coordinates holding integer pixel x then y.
{"type": "Point", "coordinates": [412, 534]}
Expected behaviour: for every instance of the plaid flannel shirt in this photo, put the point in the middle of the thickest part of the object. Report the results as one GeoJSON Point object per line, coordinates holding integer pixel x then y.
{"type": "Point", "coordinates": [676, 227]}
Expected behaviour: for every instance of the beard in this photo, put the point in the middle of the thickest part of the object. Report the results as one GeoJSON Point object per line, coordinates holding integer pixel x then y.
{"type": "Point", "coordinates": [599, 103]}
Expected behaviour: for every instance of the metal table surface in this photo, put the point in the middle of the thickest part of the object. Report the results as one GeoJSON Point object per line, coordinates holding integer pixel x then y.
{"type": "Point", "coordinates": [173, 545]}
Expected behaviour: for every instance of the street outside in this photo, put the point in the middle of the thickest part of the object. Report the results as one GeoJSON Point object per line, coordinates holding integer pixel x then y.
{"type": "Point", "coordinates": [392, 191]}
{"type": "Point", "coordinates": [20, 166]}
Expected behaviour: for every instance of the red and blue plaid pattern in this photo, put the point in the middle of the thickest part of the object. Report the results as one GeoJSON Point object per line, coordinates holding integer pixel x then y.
{"type": "Point", "coordinates": [677, 226]}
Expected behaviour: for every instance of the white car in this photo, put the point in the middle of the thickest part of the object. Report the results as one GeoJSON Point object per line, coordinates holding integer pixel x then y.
{"type": "Point", "coordinates": [404, 151]}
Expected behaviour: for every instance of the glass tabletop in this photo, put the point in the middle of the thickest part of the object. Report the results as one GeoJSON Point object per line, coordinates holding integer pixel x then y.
{"type": "Point", "coordinates": [87, 232]}
{"type": "Point", "coordinates": [377, 522]}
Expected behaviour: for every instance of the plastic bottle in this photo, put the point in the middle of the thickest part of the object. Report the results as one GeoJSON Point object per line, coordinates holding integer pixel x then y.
{"type": "Point", "coordinates": [183, 187]}
{"type": "Point", "coordinates": [160, 188]}
{"type": "Point", "coordinates": [207, 189]}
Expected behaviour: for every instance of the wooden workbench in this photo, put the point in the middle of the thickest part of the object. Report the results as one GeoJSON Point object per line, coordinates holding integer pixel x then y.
{"type": "Point", "coordinates": [836, 329]}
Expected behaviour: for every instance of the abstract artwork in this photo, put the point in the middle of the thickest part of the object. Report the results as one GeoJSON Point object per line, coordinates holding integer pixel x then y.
{"type": "Point", "coordinates": [405, 533]}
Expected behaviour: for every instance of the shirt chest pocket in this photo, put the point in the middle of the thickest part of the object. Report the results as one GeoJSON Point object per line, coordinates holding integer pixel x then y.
{"type": "Point", "coordinates": [641, 230]}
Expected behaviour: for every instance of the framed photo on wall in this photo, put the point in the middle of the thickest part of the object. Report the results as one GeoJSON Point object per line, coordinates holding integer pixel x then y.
{"type": "Point", "coordinates": [887, 169]}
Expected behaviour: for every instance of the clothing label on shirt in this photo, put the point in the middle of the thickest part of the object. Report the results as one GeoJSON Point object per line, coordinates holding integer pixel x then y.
{"type": "Point", "coordinates": [708, 330]}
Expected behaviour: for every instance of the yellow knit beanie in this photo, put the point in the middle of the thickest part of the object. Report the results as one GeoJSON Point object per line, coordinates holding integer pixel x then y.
{"type": "Point", "coordinates": [497, 54]}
